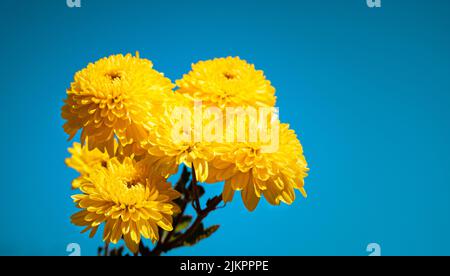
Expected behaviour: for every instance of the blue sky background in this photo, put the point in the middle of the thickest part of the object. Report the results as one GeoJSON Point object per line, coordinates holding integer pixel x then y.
{"type": "Point", "coordinates": [366, 89]}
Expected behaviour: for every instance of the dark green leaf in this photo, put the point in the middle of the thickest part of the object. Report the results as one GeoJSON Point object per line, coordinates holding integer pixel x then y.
{"type": "Point", "coordinates": [184, 222]}
{"type": "Point", "coordinates": [200, 234]}
{"type": "Point", "coordinates": [213, 202]}
{"type": "Point", "coordinates": [200, 191]}
{"type": "Point", "coordinates": [184, 179]}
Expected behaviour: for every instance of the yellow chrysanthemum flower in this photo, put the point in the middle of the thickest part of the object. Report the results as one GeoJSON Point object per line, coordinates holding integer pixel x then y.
{"type": "Point", "coordinates": [129, 203]}
{"type": "Point", "coordinates": [245, 167]}
{"type": "Point", "coordinates": [114, 97]}
{"type": "Point", "coordinates": [85, 161]}
{"type": "Point", "coordinates": [165, 144]}
{"type": "Point", "coordinates": [225, 82]}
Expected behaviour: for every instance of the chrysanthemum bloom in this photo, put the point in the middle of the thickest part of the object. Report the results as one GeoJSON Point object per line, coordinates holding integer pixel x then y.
{"type": "Point", "coordinates": [245, 167]}
{"type": "Point", "coordinates": [170, 143]}
{"type": "Point", "coordinates": [84, 160]}
{"type": "Point", "coordinates": [114, 97]}
{"type": "Point", "coordinates": [129, 203]}
{"type": "Point", "coordinates": [227, 82]}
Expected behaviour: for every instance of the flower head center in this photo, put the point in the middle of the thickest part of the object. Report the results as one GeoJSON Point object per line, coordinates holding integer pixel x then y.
{"type": "Point", "coordinates": [114, 75]}
{"type": "Point", "coordinates": [130, 184]}
{"type": "Point", "coordinates": [229, 75]}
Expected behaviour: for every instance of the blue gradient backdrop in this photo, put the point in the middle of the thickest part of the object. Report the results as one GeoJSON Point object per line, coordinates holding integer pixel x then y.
{"type": "Point", "coordinates": [366, 89]}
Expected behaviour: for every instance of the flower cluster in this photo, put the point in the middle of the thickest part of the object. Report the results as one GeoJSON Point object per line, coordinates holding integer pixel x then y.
{"type": "Point", "coordinates": [137, 128]}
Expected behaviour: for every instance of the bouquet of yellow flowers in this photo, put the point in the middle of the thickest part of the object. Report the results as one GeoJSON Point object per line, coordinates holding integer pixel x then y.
{"type": "Point", "coordinates": [137, 128]}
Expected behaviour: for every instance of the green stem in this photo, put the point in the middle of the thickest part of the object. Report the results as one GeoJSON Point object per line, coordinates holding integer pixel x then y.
{"type": "Point", "coordinates": [195, 188]}
{"type": "Point", "coordinates": [164, 245]}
